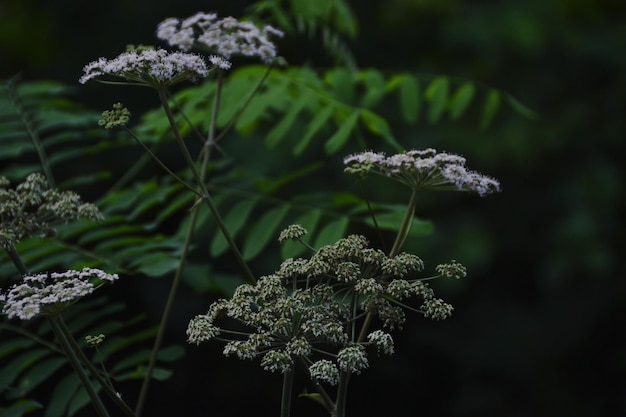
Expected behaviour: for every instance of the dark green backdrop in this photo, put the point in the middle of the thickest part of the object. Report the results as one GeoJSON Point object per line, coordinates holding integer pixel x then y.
{"type": "Point", "coordinates": [539, 324]}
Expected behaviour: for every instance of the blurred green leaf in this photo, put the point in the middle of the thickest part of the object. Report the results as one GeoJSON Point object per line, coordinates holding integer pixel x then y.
{"type": "Point", "coordinates": [437, 94]}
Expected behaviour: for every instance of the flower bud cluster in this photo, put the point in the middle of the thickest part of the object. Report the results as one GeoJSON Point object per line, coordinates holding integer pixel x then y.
{"type": "Point", "coordinates": [309, 307]}
{"type": "Point", "coordinates": [117, 117]}
{"type": "Point", "coordinates": [423, 169]}
{"type": "Point", "coordinates": [32, 208]}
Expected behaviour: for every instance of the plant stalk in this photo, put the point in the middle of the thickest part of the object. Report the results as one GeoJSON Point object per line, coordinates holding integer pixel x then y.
{"type": "Point", "coordinates": [205, 194]}
{"type": "Point", "coordinates": [57, 328]}
{"type": "Point", "coordinates": [285, 404]}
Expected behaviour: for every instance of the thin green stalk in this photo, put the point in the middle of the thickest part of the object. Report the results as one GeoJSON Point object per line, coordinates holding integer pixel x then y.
{"type": "Point", "coordinates": [161, 163]}
{"type": "Point", "coordinates": [104, 383]}
{"type": "Point", "coordinates": [285, 404]}
{"type": "Point", "coordinates": [74, 361]}
{"type": "Point", "coordinates": [405, 227]}
{"type": "Point", "coordinates": [17, 260]}
{"type": "Point", "coordinates": [31, 129]}
{"type": "Point", "coordinates": [242, 108]}
{"type": "Point", "coordinates": [205, 194]}
{"type": "Point", "coordinates": [177, 135]}
{"type": "Point", "coordinates": [158, 341]}
{"type": "Point", "coordinates": [179, 271]}
{"type": "Point", "coordinates": [369, 208]}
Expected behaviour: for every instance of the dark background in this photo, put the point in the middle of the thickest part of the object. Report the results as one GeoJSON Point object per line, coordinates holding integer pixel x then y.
{"type": "Point", "coordinates": [539, 324]}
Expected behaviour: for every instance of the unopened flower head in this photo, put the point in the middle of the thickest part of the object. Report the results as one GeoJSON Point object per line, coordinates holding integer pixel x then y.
{"type": "Point", "coordinates": [117, 117]}
{"type": "Point", "coordinates": [52, 292]}
{"type": "Point", "coordinates": [94, 341]}
{"type": "Point", "coordinates": [423, 169]}
{"type": "Point", "coordinates": [32, 209]}
{"type": "Point", "coordinates": [452, 270]}
{"type": "Point", "coordinates": [226, 37]}
{"type": "Point", "coordinates": [155, 68]}
{"type": "Point", "coordinates": [295, 231]}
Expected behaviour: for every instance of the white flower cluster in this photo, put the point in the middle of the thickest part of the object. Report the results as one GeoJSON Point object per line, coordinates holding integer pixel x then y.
{"type": "Point", "coordinates": [352, 359]}
{"type": "Point", "coordinates": [32, 208]}
{"type": "Point", "coordinates": [227, 36]}
{"type": "Point", "coordinates": [423, 169]}
{"type": "Point", "coordinates": [295, 231]}
{"type": "Point", "coordinates": [452, 270]}
{"type": "Point", "coordinates": [324, 370]}
{"type": "Point", "coordinates": [50, 293]}
{"type": "Point", "coordinates": [382, 340]}
{"type": "Point", "coordinates": [153, 67]}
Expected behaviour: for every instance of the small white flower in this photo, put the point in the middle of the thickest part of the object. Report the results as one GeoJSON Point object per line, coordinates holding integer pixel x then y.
{"type": "Point", "coordinates": [277, 361]}
{"type": "Point", "coordinates": [220, 62]}
{"type": "Point", "coordinates": [352, 359]}
{"type": "Point", "coordinates": [324, 370]}
{"type": "Point", "coordinates": [382, 340]}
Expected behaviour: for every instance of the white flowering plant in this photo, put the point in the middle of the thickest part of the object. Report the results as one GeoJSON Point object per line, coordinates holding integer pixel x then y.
{"type": "Point", "coordinates": [331, 301]}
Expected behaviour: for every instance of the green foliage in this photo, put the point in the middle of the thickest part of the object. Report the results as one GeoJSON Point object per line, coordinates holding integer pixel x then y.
{"type": "Point", "coordinates": [335, 107]}
{"type": "Point", "coordinates": [332, 19]}
{"type": "Point", "coordinates": [31, 361]}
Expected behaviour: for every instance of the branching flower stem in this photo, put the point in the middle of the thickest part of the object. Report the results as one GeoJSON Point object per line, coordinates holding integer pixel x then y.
{"type": "Point", "coordinates": [403, 232]}
{"type": "Point", "coordinates": [205, 194]}
{"type": "Point", "coordinates": [158, 161]}
{"type": "Point", "coordinates": [188, 237]}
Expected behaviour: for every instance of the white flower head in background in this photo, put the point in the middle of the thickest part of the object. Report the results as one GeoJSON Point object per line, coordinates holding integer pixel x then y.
{"type": "Point", "coordinates": [226, 37]}
{"type": "Point", "coordinates": [423, 169]}
{"type": "Point", "coordinates": [50, 293]}
{"type": "Point", "coordinates": [156, 68]}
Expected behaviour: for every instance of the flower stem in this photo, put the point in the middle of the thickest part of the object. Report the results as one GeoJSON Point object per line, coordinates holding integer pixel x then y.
{"type": "Point", "coordinates": [17, 260]}
{"type": "Point", "coordinates": [205, 194]}
{"type": "Point", "coordinates": [285, 405]}
{"type": "Point", "coordinates": [104, 383]}
{"type": "Point", "coordinates": [55, 324]}
{"type": "Point", "coordinates": [405, 227]}
{"type": "Point", "coordinates": [158, 341]}
{"type": "Point", "coordinates": [342, 393]}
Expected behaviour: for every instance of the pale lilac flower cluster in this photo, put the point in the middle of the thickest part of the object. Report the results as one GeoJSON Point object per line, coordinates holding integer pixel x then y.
{"type": "Point", "coordinates": [152, 67]}
{"type": "Point", "coordinates": [227, 36]}
{"type": "Point", "coordinates": [49, 293]}
{"type": "Point", "coordinates": [302, 310]}
{"type": "Point", "coordinates": [423, 169]}
{"type": "Point", "coordinates": [32, 208]}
